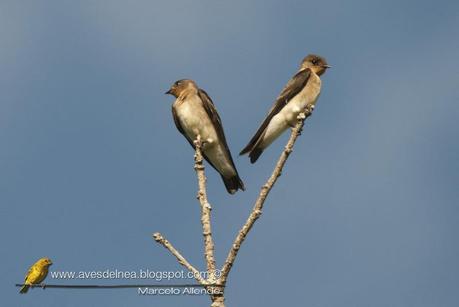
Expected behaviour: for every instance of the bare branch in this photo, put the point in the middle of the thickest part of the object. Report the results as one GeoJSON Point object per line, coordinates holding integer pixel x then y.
{"type": "Point", "coordinates": [266, 188]}
{"type": "Point", "coordinates": [212, 282]}
{"type": "Point", "coordinates": [161, 240]}
{"type": "Point", "coordinates": [205, 211]}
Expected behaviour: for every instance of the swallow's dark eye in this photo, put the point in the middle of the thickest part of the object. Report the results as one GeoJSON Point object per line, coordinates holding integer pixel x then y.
{"type": "Point", "coordinates": [315, 61]}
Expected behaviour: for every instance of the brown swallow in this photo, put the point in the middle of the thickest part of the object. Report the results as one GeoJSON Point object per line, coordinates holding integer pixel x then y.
{"type": "Point", "coordinates": [300, 92]}
{"type": "Point", "coordinates": [195, 114]}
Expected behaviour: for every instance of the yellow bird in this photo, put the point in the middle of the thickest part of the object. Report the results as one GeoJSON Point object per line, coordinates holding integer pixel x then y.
{"type": "Point", "coordinates": [36, 274]}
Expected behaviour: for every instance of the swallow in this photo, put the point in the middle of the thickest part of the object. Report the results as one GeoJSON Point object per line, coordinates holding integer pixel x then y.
{"type": "Point", "coordinates": [195, 114]}
{"type": "Point", "coordinates": [301, 92]}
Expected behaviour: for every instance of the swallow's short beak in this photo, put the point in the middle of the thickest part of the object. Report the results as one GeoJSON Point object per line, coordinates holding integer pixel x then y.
{"type": "Point", "coordinates": [326, 66]}
{"type": "Point", "coordinates": [169, 92]}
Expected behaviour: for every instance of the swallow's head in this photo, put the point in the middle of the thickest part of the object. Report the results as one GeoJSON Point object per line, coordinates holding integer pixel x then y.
{"type": "Point", "coordinates": [180, 86]}
{"type": "Point", "coordinates": [45, 262]}
{"type": "Point", "coordinates": [316, 63]}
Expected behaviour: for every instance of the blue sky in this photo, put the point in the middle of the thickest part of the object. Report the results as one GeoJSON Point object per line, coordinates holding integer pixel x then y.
{"type": "Point", "coordinates": [365, 214]}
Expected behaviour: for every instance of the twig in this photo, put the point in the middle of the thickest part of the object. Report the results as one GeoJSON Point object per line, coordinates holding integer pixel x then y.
{"type": "Point", "coordinates": [205, 211]}
{"type": "Point", "coordinates": [266, 188]}
{"type": "Point", "coordinates": [161, 240]}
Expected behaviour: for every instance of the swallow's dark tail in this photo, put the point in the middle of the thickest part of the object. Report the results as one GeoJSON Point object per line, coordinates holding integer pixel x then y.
{"type": "Point", "coordinates": [246, 149]}
{"type": "Point", "coordinates": [255, 154]}
{"type": "Point", "coordinates": [233, 184]}
{"type": "Point", "coordinates": [24, 289]}
{"type": "Point", "coordinates": [252, 149]}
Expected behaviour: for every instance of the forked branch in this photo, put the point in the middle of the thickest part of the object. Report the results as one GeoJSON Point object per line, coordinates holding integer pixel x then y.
{"type": "Point", "coordinates": [213, 282]}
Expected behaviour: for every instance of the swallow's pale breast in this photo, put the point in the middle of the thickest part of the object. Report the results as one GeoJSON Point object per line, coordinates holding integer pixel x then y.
{"type": "Point", "coordinates": [195, 121]}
